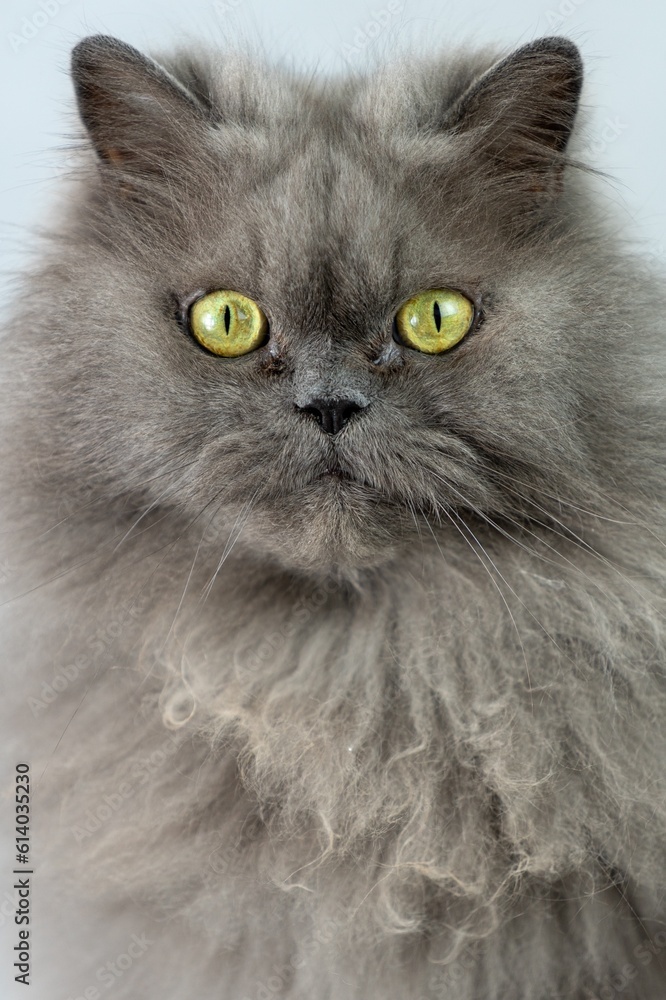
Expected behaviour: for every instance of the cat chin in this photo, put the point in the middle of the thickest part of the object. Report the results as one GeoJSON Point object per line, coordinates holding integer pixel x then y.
{"type": "Point", "coordinates": [335, 527]}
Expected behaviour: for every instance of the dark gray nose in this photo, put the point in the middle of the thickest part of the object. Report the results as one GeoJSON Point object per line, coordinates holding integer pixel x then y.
{"type": "Point", "coordinates": [331, 414]}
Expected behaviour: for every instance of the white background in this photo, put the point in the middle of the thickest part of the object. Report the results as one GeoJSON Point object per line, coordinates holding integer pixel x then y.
{"type": "Point", "coordinates": [621, 41]}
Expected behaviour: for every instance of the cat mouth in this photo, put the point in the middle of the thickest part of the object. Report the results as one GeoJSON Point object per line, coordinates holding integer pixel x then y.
{"type": "Point", "coordinates": [336, 475]}
{"type": "Point", "coordinates": [334, 471]}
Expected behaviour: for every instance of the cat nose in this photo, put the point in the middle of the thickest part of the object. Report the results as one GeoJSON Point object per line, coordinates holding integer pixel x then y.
{"type": "Point", "coordinates": [332, 414]}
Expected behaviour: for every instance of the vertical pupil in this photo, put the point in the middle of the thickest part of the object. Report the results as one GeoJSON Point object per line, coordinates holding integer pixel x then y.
{"type": "Point", "coordinates": [227, 318]}
{"type": "Point", "coordinates": [438, 315]}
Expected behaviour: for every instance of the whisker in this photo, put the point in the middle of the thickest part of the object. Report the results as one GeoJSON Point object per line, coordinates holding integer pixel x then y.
{"type": "Point", "coordinates": [189, 576]}
{"type": "Point", "coordinates": [96, 674]}
{"type": "Point", "coordinates": [450, 513]}
{"type": "Point", "coordinates": [166, 492]}
{"type": "Point", "coordinates": [242, 517]}
{"type": "Point", "coordinates": [633, 520]}
{"type": "Point", "coordinates": [527, 549]}
{"type": "Point", "coordinates": [236, 531]}
{"type": "Point", "coordinates": [568, 534]}
{"type": "Point", "coordinates": [412, 511]}
{"type": "Point", "coordinates": [532, 552]}
{"type": "Point", "coordinates": [111, 495]}
{"type": "Point", "coordinates": [104, 547]}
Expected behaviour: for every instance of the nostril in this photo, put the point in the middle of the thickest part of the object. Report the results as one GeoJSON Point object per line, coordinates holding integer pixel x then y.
{"type": "Point", "coordinates": [332, 414]}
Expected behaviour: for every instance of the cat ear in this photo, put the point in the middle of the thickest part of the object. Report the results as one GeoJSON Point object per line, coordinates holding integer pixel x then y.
{"type": "Point", "coordinates": [137, 115]}
{"type": "Point", "coordinates": [519, 115]}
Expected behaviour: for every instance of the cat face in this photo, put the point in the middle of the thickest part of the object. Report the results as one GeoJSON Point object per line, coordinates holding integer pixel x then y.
{"type": "Point", "coordinates": [333, 441]}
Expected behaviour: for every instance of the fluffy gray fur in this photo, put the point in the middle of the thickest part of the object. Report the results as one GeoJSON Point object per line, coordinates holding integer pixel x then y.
{"type": "Point", "coordinates": [403, 687]}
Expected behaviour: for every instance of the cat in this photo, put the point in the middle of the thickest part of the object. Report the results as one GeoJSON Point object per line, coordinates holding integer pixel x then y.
{"type": "Point", "coordinates": [333, 447]}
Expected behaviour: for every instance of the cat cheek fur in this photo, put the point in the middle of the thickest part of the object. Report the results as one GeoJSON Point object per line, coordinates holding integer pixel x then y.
{"type": "Point", "coordinates": [373, 714]}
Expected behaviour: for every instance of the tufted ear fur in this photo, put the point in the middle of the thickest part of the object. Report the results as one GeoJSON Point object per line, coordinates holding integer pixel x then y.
{"type": "Point", "coordinates": [522, 112]}
{"type": "Point", "coordinates": [137, 115]}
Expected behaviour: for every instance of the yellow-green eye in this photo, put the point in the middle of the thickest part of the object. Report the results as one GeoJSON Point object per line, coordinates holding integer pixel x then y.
{"type": "Point", "coordinates": [228, 324]}
{"type": "Point", "coordinates": [435, 320]}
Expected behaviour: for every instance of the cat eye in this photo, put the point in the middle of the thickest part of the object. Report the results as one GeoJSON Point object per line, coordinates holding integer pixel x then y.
{"type": "Point", "coordinates": [434, 321]}
{"type": "Point", "coordinates": [228, 324]}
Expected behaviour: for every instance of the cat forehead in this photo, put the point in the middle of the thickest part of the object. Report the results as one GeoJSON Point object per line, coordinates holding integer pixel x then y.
{"type": "Point", "coordinates": [330, 225]}
{"type": "Point", "coordinates": [328, 185]}
{"type": "Point", "coordinates": [328, 221]}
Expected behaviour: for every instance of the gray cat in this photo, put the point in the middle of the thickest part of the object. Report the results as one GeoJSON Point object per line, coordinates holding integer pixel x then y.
{"type": "Point", "coordinates": [334, 446]}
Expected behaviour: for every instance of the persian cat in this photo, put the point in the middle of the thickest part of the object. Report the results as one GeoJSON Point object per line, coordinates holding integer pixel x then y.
{"type": "Point", "coordinates": [333, 450]}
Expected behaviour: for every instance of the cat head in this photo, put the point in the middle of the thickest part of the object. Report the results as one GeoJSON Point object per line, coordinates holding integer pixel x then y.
{"type": "Point", "coordinates": [402, 261]}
